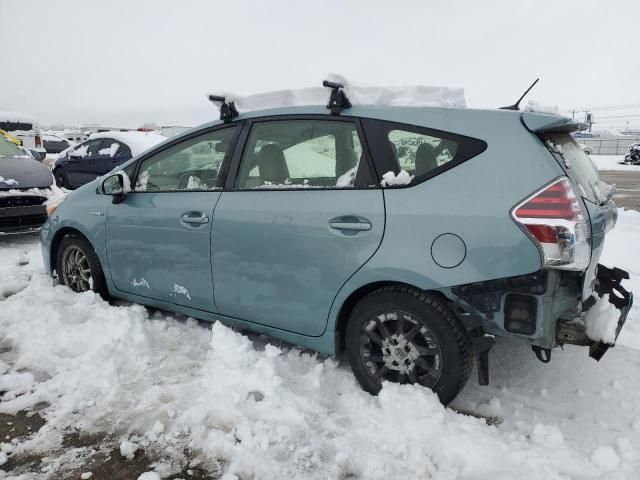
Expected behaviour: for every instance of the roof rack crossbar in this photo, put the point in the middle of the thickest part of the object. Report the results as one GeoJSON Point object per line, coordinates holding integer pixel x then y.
{"type": "Point", "coordinates": [228, 110]}
{"type": "Point", "coordinates": [338, 100]}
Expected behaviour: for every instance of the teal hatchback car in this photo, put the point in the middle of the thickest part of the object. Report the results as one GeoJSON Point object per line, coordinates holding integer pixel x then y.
{"type": "Point", "coordinates": [407, 237]}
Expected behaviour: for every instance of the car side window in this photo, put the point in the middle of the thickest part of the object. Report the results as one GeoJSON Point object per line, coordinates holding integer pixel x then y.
{"type": "Point", "coordinates": [406, 154]}
{"type": "Point", "coordinates": [88, 148]}
{"type": "Point", "coordinates": [192, 164]}
{"type": "Point", "coordinates": [114, 149]}
{"type": "Point", "coordinates": [282, 154]}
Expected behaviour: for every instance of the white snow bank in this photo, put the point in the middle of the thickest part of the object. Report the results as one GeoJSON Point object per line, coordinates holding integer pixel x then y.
{"type": "Point", "coordinates": [358, 93]}
{"type": "Point", "coordinates": [138, 142]}
{"type": "Point", "coordinates": [611, 162]}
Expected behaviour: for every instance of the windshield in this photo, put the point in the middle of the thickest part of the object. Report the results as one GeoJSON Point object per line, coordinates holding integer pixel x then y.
{"type": "Point", "coordinates": [10, 149]}
{"type": "Point", "coordinates": [578, 166]}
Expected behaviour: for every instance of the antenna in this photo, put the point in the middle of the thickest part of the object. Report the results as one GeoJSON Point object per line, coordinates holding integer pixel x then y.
{"type": "Point", "coordinates": [516, 106]}
{"type": "Point", "coordinates": [228, 111]}
{"type": "Point", "coordinates": [338, 100]}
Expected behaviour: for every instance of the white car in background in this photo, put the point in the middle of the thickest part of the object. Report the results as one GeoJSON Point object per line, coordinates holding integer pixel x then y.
{"type": "Point", "coordinates": [26, 129]}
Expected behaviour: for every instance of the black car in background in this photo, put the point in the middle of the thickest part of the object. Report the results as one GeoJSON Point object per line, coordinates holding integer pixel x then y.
{"type": "Point", "coordinates": [54, 144]}
{"type": "Point", "coordinates": [25, 186]}
{"type": "Point", "coordinates": [100, 154]}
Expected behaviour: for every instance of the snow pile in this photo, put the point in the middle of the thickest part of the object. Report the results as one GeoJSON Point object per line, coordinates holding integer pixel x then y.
{"type": "Point", "coordinates": [536, 107]}
{"type": "Point", "coordinates": [128, 449]}
{"type": "Point", "coordinates": [390, 179]}
{"type": "Point", "coordinates": [9, 182]}
{"type": "Point", "coordinates": [358, 93]}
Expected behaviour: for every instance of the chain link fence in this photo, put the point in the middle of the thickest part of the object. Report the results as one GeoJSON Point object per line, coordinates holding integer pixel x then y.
{"type": "Point", "coordinates": [609, 145]}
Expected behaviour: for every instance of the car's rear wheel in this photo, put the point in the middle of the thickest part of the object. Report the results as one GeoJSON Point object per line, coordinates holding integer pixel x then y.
{"type": "Point", "coordinates": [403, 335]}
{"type": "Point", "coordinates": [61, 178]}
{"type": "Point", "coordinates": [78, 266]}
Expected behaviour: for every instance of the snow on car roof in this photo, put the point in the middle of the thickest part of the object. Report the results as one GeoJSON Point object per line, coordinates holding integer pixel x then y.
{"type": "Point", "coordinates": [138, 142]}
{"type": "Point", "coordinates": [358, 93]}
{"type": "Point", "coordinates": [17, 118]}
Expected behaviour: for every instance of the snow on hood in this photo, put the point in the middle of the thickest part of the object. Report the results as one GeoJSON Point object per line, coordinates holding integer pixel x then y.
{"type": "Point", "coordinates": [22, 173]}
{"type": "Point", "coordinates": [138, 142]}
{"type": "Point", "coordinates": [358, 93]}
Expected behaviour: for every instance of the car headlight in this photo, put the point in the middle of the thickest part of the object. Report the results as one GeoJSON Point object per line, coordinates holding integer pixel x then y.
{"type": "Point", "coordinates": [54, 201]}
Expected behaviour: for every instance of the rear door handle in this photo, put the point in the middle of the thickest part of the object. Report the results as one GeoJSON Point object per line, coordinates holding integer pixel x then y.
{"type": "Point", "coordinates": [190, 218]}
{"type": "Point", "coordinates": [353, 224]}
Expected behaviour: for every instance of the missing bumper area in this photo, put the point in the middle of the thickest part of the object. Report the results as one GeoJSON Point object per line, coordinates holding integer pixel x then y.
{"type": "Point", "coordinates": [608, 285]}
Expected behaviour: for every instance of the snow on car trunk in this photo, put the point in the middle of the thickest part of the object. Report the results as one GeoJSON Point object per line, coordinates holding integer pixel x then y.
{"type": "Point", "coordinates": [265, 410]}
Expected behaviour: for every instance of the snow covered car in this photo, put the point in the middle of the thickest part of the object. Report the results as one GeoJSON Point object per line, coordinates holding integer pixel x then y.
{"type": "Point", "coordinates": [24, 188]}
{"type": "Point", "coordinates": [633, 157]}
{"type": "Point", "coordinates": [26, 129]}
{"type": "Point", "coordinates": [100, 154]}
{"type": "Point", "coordinates": [407, 237]}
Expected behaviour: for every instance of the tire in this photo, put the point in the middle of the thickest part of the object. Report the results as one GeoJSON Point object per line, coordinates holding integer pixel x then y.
{"type": "Point", "coordinates": [403, 335]}
{"type": "Point", "coordinates": [61, 178]}
{"type": "Point", "coordinates": [83, 272]}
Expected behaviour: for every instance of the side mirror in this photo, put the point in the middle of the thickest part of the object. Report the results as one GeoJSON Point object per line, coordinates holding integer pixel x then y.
{"type": "Point", "coordinates": [114, 185]}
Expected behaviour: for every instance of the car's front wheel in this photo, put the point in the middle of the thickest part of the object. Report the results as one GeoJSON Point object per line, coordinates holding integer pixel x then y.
{"type": "Point", "coordinates": [78, 266]}
{"type": "Point", "coordinates": [403, 335]}
{"type": "Point", "coordinates": [61, 178]}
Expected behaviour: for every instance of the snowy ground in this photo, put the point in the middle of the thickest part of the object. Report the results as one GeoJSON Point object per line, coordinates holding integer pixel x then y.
{"type": "Point", "coordinates": [238, 407]}
{"type": "Point", "coordinates": [610, 162]}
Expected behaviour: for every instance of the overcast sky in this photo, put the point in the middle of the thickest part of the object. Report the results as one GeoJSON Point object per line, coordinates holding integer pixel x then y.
{"type": "Point", "coordinates": [126, 62]}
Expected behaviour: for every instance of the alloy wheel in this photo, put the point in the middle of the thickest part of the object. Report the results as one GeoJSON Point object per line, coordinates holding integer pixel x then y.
{"type": "Point", "coordinates": [77, 272]}
{"type": "Point", "coordinates": [396, 346]}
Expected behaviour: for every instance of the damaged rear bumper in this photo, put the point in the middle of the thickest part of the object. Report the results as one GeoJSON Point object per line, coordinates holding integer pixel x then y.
{"type": "Point", "coordinates": [608, 283]}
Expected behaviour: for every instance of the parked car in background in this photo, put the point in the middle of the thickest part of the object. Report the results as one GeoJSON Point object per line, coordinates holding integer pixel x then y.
{"type": "Point", "coordinates": [25, 185]}
{"type": "Point", "coordinates": [26, 129]}
{"type": "Point", "coordinates": [408, 237]}
{"type": "Point", "coordinates": [54, 144]}
{"type": "Point", "coordinates": [100, 154]}
{"type": "Point", "coordinates": [633, 157]}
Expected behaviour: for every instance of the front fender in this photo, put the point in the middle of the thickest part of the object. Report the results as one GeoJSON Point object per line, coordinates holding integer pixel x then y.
{"type": "Point", "coordinates": [85, 211]}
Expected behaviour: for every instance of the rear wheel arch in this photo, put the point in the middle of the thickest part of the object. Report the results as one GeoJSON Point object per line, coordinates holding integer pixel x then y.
{"type": "Point", "coordinates": [354, 298]}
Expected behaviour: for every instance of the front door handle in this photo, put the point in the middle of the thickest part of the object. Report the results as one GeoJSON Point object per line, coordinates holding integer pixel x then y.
{"type": "Point", "coordinates": [195, 218]}
{"type": "Point", "coordinates": [350, 223]}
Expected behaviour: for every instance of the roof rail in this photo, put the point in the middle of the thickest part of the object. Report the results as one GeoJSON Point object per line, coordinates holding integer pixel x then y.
{"type": "Point", "coordinates": [338, 101]}
{"type": "Point", "coordinates": [228, 110]}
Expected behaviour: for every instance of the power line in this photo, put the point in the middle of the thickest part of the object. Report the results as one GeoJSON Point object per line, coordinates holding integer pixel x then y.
{"type": "Point", "coordinates": [611, 107]}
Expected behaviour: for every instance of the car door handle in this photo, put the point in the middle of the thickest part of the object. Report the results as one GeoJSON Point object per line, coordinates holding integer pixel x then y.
{"type": "Point", "coordinates": [186, 218]}
{"type": "Point", "coordinates": [358, 225]}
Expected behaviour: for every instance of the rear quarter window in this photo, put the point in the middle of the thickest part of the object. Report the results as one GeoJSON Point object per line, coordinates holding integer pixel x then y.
{"type": "Point", "coordinates": [407, 155]}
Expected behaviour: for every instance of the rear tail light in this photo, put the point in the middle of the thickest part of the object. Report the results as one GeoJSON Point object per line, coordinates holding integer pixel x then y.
{"type": "Point", "coordinates": [555, 219]}
{"type": "Point", "coordinates": [38, 141]}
